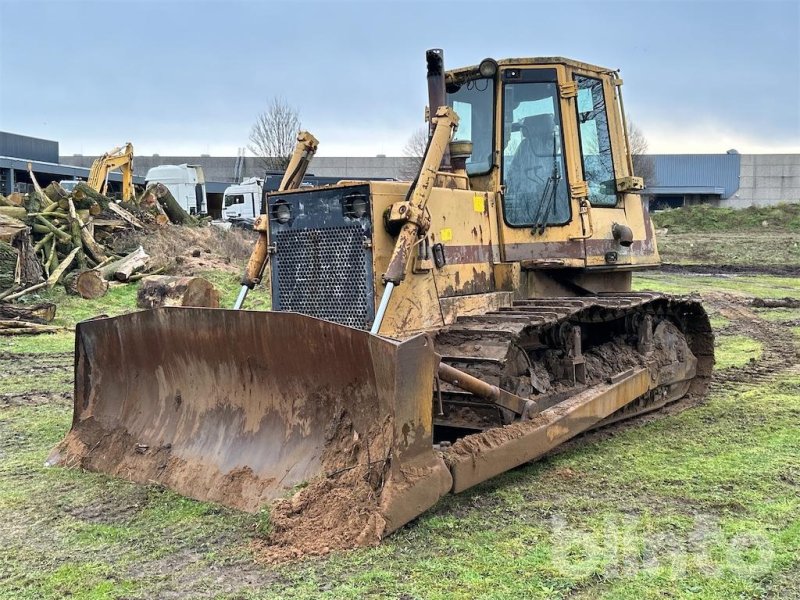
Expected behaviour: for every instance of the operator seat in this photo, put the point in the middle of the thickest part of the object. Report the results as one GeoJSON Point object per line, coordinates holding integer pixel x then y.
{"type": "Point", "coordinates": [531, 165]}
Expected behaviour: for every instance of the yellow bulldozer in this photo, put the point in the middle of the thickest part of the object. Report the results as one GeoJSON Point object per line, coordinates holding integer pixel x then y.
{"type": "Point", "coordinates": [430, 334]}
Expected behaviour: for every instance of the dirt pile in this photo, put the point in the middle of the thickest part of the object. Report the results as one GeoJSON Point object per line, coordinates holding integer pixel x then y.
{"type": "Point", "coordinates": [338, 511]}
{"type": "Point", "coordinates": [191, 250]}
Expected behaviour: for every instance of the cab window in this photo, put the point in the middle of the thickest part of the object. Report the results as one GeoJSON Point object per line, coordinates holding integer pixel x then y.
{"type": "Point", "coordinates": [473, 102]}
{"type": "Point", "coordinates": [533, 161]}
{"type": "Point", "coordinates": [598, 165]}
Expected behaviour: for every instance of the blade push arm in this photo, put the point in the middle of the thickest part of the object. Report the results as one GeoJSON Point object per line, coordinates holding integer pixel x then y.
{"type": "Point", "coordinates": [298, 165]}
{"type": "Point", "coordinates": [413, 210]}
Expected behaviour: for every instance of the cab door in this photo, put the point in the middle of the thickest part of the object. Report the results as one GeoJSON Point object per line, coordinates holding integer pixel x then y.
{"type": "Point", "coordinates": [540, 224]}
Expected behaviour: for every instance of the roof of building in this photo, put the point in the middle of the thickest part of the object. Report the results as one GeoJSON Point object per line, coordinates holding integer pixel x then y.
{"type": "Point", "coordinates": [715, 174]}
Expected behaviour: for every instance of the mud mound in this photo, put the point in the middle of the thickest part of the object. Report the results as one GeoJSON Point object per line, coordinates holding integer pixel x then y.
{"type": "Point", "coordinates": [336, 512]}
{"type": "Point", "coordinates": [191, 250]}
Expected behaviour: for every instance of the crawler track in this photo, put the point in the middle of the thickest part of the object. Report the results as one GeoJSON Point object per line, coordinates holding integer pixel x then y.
{"type": "Point", "coordinates": [530, 349]}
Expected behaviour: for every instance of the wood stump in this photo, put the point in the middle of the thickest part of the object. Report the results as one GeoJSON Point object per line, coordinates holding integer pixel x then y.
{"type": "Point", "coordinates": [163, 290]}
{"type": "Point", "coordinates": [88, 284]}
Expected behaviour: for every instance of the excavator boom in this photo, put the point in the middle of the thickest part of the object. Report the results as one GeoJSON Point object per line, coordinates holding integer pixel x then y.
{"type": "Point", "coordinates": [119, 158]}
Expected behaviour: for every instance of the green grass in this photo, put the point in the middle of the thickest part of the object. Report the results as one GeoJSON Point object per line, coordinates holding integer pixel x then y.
{"type": "Point", "coordinates": [761, 286]}
{"type": "Point", "coordinates": [705, 218]}
{"type": "Point", "coordinates": [735, 351]}
{"type": "Point", "coordinates": [778, 314]}
{"type": "Point", "coordinates": [45, 343]}
{"type": "Point", "coordinates": [702, 504]}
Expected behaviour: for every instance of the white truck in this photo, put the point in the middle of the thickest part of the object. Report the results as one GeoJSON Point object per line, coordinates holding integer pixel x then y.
{"type": "Point", "coordinates": [186, 183]}
{"type": "Point", "coordinates": [242, 202]}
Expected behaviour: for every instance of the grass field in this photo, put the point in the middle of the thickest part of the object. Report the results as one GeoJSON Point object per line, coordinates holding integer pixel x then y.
{"type": "Point", "coordinates": [700, 503]}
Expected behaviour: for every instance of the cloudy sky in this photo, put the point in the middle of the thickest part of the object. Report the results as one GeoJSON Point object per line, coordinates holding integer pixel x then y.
{"type": "Point", "coordinates": [189, 77]}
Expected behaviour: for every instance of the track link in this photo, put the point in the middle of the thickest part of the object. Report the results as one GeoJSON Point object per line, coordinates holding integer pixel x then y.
{"type": "Point", "coordinates": [551, 348]}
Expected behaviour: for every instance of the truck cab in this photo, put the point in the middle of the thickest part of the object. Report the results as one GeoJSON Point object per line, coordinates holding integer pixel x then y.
{"type": "Point", "coordinates": [186, 183]}
{"type": "Point", "coordinates": [242, 202]}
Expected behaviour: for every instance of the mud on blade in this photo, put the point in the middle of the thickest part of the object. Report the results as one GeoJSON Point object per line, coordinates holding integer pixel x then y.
{"type": "Point", "coordinates": [238, 407]}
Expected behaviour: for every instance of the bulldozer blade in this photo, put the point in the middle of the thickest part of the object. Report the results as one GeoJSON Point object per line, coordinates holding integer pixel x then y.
{"type": "Point", "coordinates": [240, 407]}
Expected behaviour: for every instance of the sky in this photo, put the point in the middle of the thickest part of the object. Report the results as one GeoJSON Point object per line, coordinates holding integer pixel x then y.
{"type": "Point", "coordinates": [188, 77]}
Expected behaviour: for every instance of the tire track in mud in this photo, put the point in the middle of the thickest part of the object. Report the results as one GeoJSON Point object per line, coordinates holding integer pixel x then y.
{"type": "Point", "coordinates": [779, 345]}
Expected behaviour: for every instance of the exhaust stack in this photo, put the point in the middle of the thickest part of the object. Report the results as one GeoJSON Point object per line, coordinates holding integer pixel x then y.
{"type": "Point", "coordinates": [436, 94]}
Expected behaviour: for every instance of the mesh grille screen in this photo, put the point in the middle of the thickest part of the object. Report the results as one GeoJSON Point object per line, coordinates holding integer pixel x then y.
{"type": "Point", "coordinates": [323, 273]}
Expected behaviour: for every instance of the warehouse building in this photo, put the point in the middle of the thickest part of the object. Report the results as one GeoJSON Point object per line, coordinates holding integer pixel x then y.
{"type": "Point", "coordinates": [731, 180]}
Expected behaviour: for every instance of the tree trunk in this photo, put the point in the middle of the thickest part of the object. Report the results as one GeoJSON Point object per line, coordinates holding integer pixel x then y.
{"type": "Point", "coordinates": [25, 328]}
{"type": "Point", "coordinates": [16, 212]}
{"type": "Point", "coordinates": [10, 228]}
{"type": "Point", "coordinates": [171, 207]}
{"type": "Point", "coordinates": [163, 290]}
{"type": "Point", "coordinates": [41, 313]}
{"type": "Point", "coordinates": [9, 269]}
{"type": "Point", "coordinates": [126, 266]}
{"type": "Point", "coordinates": [87, 284]}
{"type": "Point", "coordinates": [83, 196]}
{"type": "Point", "coordinates": [30, 269]}
{"type": "Point", "coordinates": [55, 192]}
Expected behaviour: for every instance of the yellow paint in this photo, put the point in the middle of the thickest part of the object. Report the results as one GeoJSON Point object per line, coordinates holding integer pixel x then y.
{"type": "Point", "coordinates": [478, 204]}
{"type": "Point", "coordinates": [446, 234]}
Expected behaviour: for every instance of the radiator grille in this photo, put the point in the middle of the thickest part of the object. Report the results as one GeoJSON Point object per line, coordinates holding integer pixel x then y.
{"type": "Point", "coordinates": [324, 273]}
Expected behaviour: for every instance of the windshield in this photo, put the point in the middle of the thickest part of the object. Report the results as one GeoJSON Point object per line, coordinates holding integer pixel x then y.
{"type": "Point", "coordinates": [473, 102]}
{"type": "Point", "coordinates": [533, 173]}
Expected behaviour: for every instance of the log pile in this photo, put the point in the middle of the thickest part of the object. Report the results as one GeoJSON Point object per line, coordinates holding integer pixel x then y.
{"type": "Point", "coordinates": [52, 236]}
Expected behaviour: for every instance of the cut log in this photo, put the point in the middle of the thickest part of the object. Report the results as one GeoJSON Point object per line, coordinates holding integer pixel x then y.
{"type": "Point", "coordinates": [30, 269]}
{"type": "Point", "coordinates": [88, 284]}
{"type": "Point", "coordinates": [167, 201]}
{"type": "Point", "coordinates": [84, 196]}
{"type": "Point", "coordinates": [25, 328]}
{"type": "Point", "coordinates": [75, 228]}
{"type": "Point", "coordinates": [126, 266]}
{"type": "Point", "coordinates": [9, 266]}
{"type": "Point", "coordinates": [775, 302]}
{"type": "Point", "coordinates": [56, 273]}
{"type": "Point", "coordinates": [125, 215]}
{"type": "Point", "coordinates": [55, 192]}
{"type": "Point", "coordinates": [41, 313]}
{"type": "Point", "coordinates": [28, 290]}
{"type": "Point", "coordinates": [15, 212]}
{"type": "Point", "coordinates": [10, 228]}
{"type": "Point", "coordinates": [163, 290]}
{"type": "Point", "coordinates": [15, 199]}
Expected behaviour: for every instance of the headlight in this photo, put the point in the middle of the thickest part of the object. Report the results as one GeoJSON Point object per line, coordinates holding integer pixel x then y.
{"type": "Point", "coordinates": [488, 67]}
{"type": "Point", "coordinates": [282, 212]}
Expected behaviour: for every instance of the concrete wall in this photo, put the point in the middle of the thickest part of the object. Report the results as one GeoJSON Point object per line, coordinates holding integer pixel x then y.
{"type": "Point", "coordinates": [766, 179]}
{"type": "Point", "coordinates": [223, 168]}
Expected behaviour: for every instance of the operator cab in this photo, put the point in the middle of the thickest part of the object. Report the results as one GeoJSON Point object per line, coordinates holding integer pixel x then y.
{"type": "Point", "coordinates": [548, 136]}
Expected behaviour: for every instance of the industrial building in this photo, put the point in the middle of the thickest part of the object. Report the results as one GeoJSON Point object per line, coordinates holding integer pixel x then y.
{"type": "Point", "coordinates": [731, 179]}
{"type": "Point", "coordinates": [19, 151]}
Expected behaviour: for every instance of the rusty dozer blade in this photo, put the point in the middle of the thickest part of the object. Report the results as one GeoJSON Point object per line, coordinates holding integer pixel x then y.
{"type": "Point", "coordinates": [239, 407]}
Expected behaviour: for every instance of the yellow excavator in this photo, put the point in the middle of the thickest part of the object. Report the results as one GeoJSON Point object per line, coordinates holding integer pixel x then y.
{"type": "Point", "coordinates": [119, 158]}
{"type": "Point", "coordinates": [430, 334]}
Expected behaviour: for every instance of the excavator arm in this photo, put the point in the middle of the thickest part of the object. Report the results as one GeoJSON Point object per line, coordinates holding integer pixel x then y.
{"type": "Point", "coordinates": [119, 158]}
{"type": "Point", "coordinates": [304, 151]}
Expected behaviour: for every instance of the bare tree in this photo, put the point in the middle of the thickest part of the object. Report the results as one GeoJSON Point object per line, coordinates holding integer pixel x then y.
{"type": "Point", "coordinates": [274, 134]}
{"type": "Point", "coordinates": [414, 150]}
{"type": "Point", "coordinates": [643, 165]}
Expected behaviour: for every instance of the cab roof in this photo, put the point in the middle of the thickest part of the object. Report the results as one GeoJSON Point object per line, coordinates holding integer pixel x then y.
{"type": "Point", "coordinates": [536, 60]}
